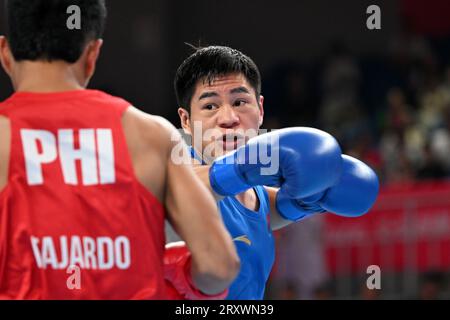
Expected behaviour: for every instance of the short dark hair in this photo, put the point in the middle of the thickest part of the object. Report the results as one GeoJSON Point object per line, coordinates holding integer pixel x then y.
{"type": "Point", "coordinates": [207, 64]}
{"type": "Point", "coordinates": [37, 29]}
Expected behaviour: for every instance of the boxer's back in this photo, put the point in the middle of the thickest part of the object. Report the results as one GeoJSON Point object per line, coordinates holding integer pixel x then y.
{"type": "Point", "coordinates": [71, 197]}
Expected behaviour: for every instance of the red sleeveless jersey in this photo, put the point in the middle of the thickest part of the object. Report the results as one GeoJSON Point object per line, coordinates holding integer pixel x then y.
{"type": "Point", "coordinates": [74, 221]}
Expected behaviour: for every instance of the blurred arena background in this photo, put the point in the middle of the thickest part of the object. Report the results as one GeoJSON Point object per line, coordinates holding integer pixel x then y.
{"type": "Point", "coordinates": [385, 94]}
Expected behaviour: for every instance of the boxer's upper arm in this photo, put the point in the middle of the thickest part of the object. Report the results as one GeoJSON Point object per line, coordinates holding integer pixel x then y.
{"type": "Point", "coordinates": [202, 172]}
{"type": "Point", "coordinates": [145, 138]}
{"type": "Point", "coordinates": [190, 204]}
{"type": "Point", "coordinates": [5, 144]}
{"type": "Point", "coordinates": [153, 143]}
{"type": "Point", "coordinates": [194, 215]}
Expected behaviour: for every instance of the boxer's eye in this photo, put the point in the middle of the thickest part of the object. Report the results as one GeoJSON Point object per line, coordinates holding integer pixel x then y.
{"type": "Point", "coordinates": [239, 103]}
{"type": "Point", "coordinates": [209, 107]}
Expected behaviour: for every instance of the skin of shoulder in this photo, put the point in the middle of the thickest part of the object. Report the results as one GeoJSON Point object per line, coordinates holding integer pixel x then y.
{"type": "Point", "coordinates": [150, 140]}
{"type": "Point", "coordinates": [5, 142]}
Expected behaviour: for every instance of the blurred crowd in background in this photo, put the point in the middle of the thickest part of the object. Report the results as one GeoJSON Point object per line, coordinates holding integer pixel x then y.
{"type": "Point", "coordinates": [391, 111]}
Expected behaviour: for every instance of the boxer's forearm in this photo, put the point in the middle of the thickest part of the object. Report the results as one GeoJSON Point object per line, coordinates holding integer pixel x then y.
{"type": "Point", "coordinates": [276, 221]}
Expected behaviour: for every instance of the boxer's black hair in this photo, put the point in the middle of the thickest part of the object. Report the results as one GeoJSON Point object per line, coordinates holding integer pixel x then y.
{"type": "Point", "coordinates": [37, 29]}
{"type": "Point", "coordinates": [208, 63]}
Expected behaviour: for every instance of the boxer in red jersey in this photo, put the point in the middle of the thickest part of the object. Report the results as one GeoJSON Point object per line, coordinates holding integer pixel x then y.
{"type": "Point", "coordinates": [85, 178]}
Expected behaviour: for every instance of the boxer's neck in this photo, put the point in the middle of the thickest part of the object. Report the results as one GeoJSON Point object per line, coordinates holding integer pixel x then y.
{"type": "Point", "coordinates": [39, 76]}
{"type": "Point", "coordinates": [249, 199]}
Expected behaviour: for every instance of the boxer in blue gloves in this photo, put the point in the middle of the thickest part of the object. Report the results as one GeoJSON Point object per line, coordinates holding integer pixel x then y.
{"type": "Point", "coordinates": [267, 181]}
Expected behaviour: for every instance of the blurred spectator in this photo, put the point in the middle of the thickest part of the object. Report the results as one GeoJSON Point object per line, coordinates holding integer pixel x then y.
{"type": "Point", "coordinates": [431, 168]}
{"type": "Point", "coordinates": [432, 285]}
{"type": "Point", "coordinates": [300, 257]}
{"type": "Point", "coordinates": [298, 110]}
{"type": "Point", "coordinates": [440, 141]}
{"type": "Point", "coordinates": [324, 291]}
{"type": "Point", "coordinates": [369, 294]}
{"type": "Point", "coordinates": [288, 291]}
{"type": "Point", "coordinates": [432, 106]}
{"type": "Point", "coordinates": [288, 93]}
{"type": "Point", "coordinates": [398, 115]}
{"type": "Point", "coordinates": [396, 142]}
{"type": "Point", "coordinates": [340, 110]}
{"type": "Point", "coordinates": [398, 167]}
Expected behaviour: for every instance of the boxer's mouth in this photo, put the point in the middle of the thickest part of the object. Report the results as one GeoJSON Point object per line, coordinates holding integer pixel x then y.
{"type": "Point", "coordinates": [231, 140]}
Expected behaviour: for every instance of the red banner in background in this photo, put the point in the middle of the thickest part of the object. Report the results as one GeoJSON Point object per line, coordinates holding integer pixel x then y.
{"type": "Point", "coordinates": [408, 228]}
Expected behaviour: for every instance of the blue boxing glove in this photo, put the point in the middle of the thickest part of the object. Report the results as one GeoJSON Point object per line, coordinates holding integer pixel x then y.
{"type": "Point", "coordinates": [352, 196]}
{"type": "Point", "coordinates": [301, 161]}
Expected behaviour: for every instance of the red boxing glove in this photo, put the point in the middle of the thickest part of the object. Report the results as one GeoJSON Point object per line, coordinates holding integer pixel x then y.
{"type": "Point", "coordinates": [177, 274]}
{"type": "Point", "coordinates": [171, 292]}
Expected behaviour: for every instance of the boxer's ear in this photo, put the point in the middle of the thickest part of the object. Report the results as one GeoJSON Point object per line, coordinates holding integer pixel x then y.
{"type": "Point", "coordinates": [89, 59]}
{"type": "Point", "coordinates": [185, 120]}
{"type": "Point", "coordinates": [6, 56]}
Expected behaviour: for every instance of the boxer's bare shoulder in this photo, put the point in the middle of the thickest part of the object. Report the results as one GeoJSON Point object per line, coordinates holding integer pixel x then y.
{"type": "Point", "coordinates": [5, 143]}
{"type": "Point", "coordinates": [150, 140]}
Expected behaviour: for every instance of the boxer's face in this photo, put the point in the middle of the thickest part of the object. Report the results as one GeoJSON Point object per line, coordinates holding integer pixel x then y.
{"type": "Point", "coordinates": [229, 113]}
